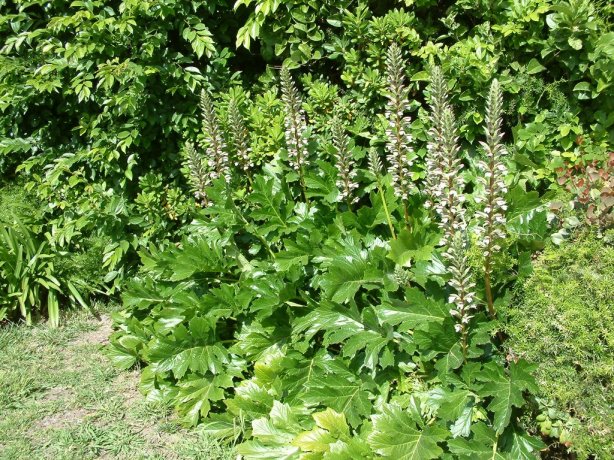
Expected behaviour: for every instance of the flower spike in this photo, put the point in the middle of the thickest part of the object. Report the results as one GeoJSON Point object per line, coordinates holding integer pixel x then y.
{"type": "Point", "coordinates": [217, 156]}
{"type": "Point", "coordinates": [346, 182]}
{"type": "Point", "coordinates": [398, 145]}
{"type": "Point", "coordinates": [240, 138]}
{"type": "Point", "coordinates": [296, 127]}
{"type": "Point", "coordinates": [492, 169]}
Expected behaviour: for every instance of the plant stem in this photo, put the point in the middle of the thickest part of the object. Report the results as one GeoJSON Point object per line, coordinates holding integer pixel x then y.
{"type": "Point", "coordinates": [489, 300]}
{"type": "Point", "coordinates": [303, 187]}
{"type": "Point", "coordinates": [388, 217]}
{"type": "Point", "coordinates": [406, 209]}
{"type": "Point", "coordinates": [464, 344]}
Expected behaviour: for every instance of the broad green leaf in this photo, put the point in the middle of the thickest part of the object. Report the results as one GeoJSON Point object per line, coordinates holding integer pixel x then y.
{"type": "Point", "coordinates": [534, 67]}
{"type": "Point", "coordinates": [520, 444]}
{"type": "Point", "coordinates": [196, 395]}
{"type": "Point", "coordinates": [348, 272]}
{"type": "Point", "coordinates": [258, 451]}
{"type": "Point", "coordinates": [251, 399]}
{"type": "Point", "coordinates": [396, 436]}
{"type": "Point", "coordinates": [345, 326]}
{"type": "Point", "coordinates": [349, 397]}
{"type": "Point", "coordinates": [168, 356]}
{"type": "Point", "coordinates": [506, 390]}
{"type": "Point", "coordinates": [414, 311]}
{"type": "Point", "coordinates": [334, 422]}
{"type": "Point", "coordinates": [474, 449]}
{"type": "Point", "coordinates": [417, 245]}
{"type": "Point", "coordinates": [316, 440]}
{"type": "Point", "coordinates": [271, 209]}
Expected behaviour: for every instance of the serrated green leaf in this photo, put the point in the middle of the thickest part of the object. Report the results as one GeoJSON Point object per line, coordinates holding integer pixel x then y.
{"type": "Point", "coordinates": [168, 356]}
{"type": "Point", "coordinates": [349, 397]}
{"type": "Point", "coordinates": [254, 450]}
{"type": "Point", "coordinates": [506, 390]}
{"type": "Point", "coordinates": [316, 440]}
{"type": "Point", "coordinates": [332, 421]}
{"type": "Point", "coordinates": [195, 396]}
{"type": "Point", "coordinates": [396, 436]}
{"type": "Point", "coordinates": [520, 444]}
{"type": "Point", "coordinates": [417, 245]}
{"type": "Point", "coordinates": [349, 272]}
{"type": "Point", "coordinates": [414, 311]}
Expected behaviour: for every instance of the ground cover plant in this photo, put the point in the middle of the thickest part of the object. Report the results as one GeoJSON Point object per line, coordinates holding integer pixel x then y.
{"type": "Point", "coordinates": [562, 323]}
{"type": "Point", "coordinates": [319, 216]}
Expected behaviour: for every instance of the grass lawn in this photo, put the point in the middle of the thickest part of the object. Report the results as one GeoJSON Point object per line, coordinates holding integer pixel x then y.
{"type": "Point", "coordinates": [60, 398]}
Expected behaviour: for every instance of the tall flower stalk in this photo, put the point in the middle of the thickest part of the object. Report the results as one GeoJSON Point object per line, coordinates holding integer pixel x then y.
{"type": "Point", "coordinates": [463, 299]}
{"type": "Point", "coordinates": [296, 126]}
{"type": "Point", "coordinates": [492, 169]}
{"type": "Point", "coordinates": [216, 152]}
{"type": "Point", "coordinates": [439, 104]}
{"type": "Point", "coordinates": [445, 187]}
{"type": "Point", "coordinates": [398, 144]}
{"type": "Point", "coordinates": [197, 175]}
{"type": "Point", "coordinates": [346, 174]}
{"type": "Point", "coordinates": [375, 166]}
{"type": "Point", "coordinates": [445, 183]}
{"type": "Point", "coordinates": [240, 139]}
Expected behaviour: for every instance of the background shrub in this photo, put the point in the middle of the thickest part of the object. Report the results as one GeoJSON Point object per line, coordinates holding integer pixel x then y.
{"type": "Point", "coordinates": [563, 322]}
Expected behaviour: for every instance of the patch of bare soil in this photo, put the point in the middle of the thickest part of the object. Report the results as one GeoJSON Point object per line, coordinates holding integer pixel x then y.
{"type": "Point", "coordinates": [57, 394]}
{"type": "Point", "coordinates": [127, 383]}
{"type": "Point", "coordinates": [63, 419]}
{"type": "Point", "coordinates": [98, 337]}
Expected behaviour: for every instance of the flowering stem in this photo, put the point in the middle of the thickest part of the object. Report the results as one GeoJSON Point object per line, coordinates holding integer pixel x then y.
{"type": "Point", "coordinates": [388, 217]}
{"type": "Point", "coordinates": [303, 187]}
{"type": "Point", "coordinates": [489, 299]}
{"type": "Point", "coordinates": [406, 208]}
{"type": "Point", "coordinates": [463, 326]}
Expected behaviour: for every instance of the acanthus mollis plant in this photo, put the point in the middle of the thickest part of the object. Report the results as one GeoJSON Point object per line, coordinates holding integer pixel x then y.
{"type": "Point", "coordinates": [196, 173]}
{"type": "Point", "coordinates": [295, 128]}
{"type": "Point", "coordinates": [438, 104]}
{"type": "Point", "coordinates": [446, 189]}
{"type": "Point", "coordinates": [461, 280]}
{"type": "Point", "coordinates": [398, 137]}
{"type": "Point", "coordinates": [216, 149]}
{"type": "Point", "coordinates": [283, 328]}
{"type": "Point", "coordinates": [492, 170]}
